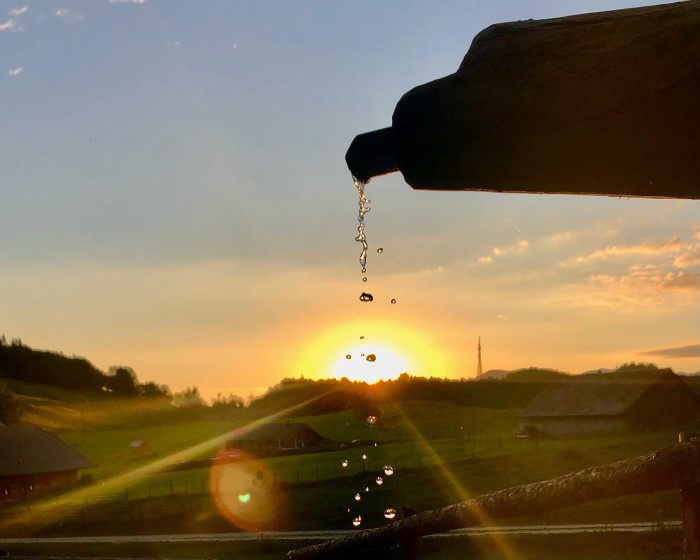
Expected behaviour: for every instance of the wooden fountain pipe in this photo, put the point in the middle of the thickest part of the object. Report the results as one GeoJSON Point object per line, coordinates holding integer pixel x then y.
{"type": "Point", "coordinates": [605, 103]}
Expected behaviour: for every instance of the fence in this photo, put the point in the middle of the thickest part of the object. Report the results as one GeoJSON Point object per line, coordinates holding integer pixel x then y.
{"type": "Point", "coordinates": [674, 467]}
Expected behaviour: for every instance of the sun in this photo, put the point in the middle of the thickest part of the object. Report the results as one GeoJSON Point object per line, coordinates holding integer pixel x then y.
{"type": "Point", "coordinates": [377, 350]}
{"type": "Point", "coordinates": [370, 363]}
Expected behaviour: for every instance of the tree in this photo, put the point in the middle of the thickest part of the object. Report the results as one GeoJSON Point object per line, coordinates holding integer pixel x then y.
{"type": "Point", "coordinates": [123, 381]}
{"type": "Point", "coordinates": [632, 366]}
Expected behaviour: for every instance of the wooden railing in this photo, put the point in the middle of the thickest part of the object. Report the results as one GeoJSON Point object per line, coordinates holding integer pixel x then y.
{"type": "Point", "coordinates": [673, 467]}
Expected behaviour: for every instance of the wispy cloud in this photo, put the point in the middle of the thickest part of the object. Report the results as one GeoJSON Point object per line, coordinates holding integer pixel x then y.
{"type": "Point", "coordinates": [647, 248]}
{"type": "Point", "coordinates": [18, 11]}
{"type": "Point", "coordinates": [517, 249]}
{"type": "Point", "coordinates": [69, 16]}
{"type": "Point", "coordinates": [691, 351]}
{"type": "Point", "coordinates": [485, 260]}
{"type": "Point", "coordinates": [15, 71]}
{"type": "Point", "coordinates": [9, 25]}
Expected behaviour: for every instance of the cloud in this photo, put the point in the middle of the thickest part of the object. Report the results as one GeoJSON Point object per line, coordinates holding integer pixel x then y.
{"type": "Point", "coordinates": [9, 25]}
{"type": "Point", "coordinates": [485, 260]}
{"type": "Point", "coordinates": [517, 249]}
{"type": "Point", "coordinates": [647, 248]}
{"type": "Point", "coordinates": [15, 71]}
{"type": "Point", "coordinates": [67, 15]}
{"type": "Point", "coordinates": [691, 351]}
{"type": "Point", "coordinates": [18, 11]}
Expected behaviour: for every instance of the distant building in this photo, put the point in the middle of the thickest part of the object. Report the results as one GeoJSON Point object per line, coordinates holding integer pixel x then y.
{"type": "Point", "coordinates": [289, 435]}
{"type": "Point", "coordinates": [140, 449]}
{"type": "Point", "coordinates": [646, 400]}
{"type": "Point", "coordinates": [33, 461]}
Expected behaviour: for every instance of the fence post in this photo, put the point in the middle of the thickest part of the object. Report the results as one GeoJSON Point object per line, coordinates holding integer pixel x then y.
{"type": "Point", "coordinates": [690, 512]}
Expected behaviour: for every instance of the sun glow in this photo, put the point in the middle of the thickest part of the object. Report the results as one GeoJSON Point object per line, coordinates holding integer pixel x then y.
{"type": "Point", "coordinates": [370, 363]}
{"type": "Point", "coordinates": [376, 350]}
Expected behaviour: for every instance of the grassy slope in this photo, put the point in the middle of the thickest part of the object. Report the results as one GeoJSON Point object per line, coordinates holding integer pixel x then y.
{"type": "Point", "coordinates": [441, 453]}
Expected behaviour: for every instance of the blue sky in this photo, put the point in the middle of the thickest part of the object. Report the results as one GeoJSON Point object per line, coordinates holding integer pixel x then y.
{"type": "Point", "coordinates": [175, 198]}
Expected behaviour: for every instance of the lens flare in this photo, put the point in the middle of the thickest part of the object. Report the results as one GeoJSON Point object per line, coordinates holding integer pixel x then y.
{"type": "Point", "coordinates": [247, 494]}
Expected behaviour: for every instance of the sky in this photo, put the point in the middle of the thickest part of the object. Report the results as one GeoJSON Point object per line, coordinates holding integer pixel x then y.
{"type": "Point", "coordinates": [174, 198]}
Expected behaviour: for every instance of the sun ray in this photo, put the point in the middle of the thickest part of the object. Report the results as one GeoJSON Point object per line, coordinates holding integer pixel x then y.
{"type": "Point", "coordinates": [500, 540]}
{"type": "Point", "coordinates": [59, 506]}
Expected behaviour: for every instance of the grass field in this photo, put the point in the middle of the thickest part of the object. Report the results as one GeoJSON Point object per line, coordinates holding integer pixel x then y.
{"type": "Point", "coordinates": [441, 454]}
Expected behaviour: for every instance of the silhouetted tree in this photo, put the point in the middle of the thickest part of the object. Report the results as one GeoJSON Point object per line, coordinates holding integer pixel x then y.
{"type": "Point", "coordinates": [123, 381]}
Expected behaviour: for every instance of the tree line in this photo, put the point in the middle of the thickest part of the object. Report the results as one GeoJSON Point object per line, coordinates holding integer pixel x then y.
{"type": "Point", "coordinates": [23, 363]}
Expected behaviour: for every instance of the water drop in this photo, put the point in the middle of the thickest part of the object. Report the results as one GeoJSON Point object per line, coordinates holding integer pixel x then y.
{"type": "Point", "coordinates": [380, 250]}
{"type": "Point", "coordinates": [364, 457]}
{"type": "Point", "coordinates": [364, 279]}
{"type": "Point", "coordinates": [388, 470]}
{"type": "Point", "coordinates": [244, 498]}
{"type": "Point", "coordinates": [348, 510]}
{"type": "Point", "coordinates": [390, 513]}
{"type": "Point", "coordinates": [363, 208]}
{"type": "Point", "coordinates": [379, 480]}
{"type": "Point", "coordinates": [375, 444]}
{"type": "Point", "coordinates": [362, 337]}
{"type": "Point", "coordinates": [364, 296]}
{"type": "Point", "coordinates": [372, 420]}
{"type": "Point", "coordinates": [364, 269]}
{"type": "Point", "coordinates": [362, 355]}
{"type": "Point", "coordinates": [393, 301]}
{"type": "Point", "coordinates": [358, 497]}
{"type": "Point", "coordinates": [366, 488]}
{"type": "Point", "coordinates": [348, 356]}
{"type": "Point", "coordinates": [371, 357]}
{"type": "Point", "coordinates": [357, 521]}
{"type": "Point", "coordinates": [344, 463]}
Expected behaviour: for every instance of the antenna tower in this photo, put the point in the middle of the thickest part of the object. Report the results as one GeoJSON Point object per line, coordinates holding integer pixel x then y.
{"type": "Point", "coordinates": [479, 371]}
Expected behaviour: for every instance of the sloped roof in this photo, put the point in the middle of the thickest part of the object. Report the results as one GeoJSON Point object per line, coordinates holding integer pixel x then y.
{"type": "Point", "coordinates": [31, 450]}
{"type": "Point", "coordinates": [596, 394]}
{"type": "Point", "coordinates": [275, 432]}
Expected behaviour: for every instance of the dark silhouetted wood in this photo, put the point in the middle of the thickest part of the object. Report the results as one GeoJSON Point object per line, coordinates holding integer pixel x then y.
{"type": "Point", "coordinates": [675, 466]}
{"type": "Point", "coordinates": [605, 103]}
{"type": "Point", "coordinates": [690, 511]}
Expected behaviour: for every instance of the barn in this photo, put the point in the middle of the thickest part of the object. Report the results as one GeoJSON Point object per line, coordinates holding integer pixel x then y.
{"type": "Point", "coordinates": [290, 435]}
{"type": "Point", "coordinates": [140, 449]}
{"type": "Point", "coordinates": [646, 400]}
{"type": "Point", "coordinates": [33, 461]}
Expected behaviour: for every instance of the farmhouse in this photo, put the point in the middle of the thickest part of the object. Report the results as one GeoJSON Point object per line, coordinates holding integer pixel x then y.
{"type": "Point", "coordinates": [611, 402]}
{"type": "Point", "coordinates": [268, 437]}
{"type": "Point", "coordinates": [140, 449]}
{"type": "Point", "coordinates": [34, 461]}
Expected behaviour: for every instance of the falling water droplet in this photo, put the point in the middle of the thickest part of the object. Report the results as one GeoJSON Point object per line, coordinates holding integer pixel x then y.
{"type": "Point", "coordinates": [364, 296]}
{"type": "Point", "coordinates": [371, 358]}
{"type": "Point", "coordinates": [344, 463]}
{"type": "Point", "coordinates": [348, 510]}
{"type": "Point", "coordinates": [366, 488]}
{"type": "Point", "coordinates": [372, 420]}
{"type": "Point", "coordinates": [364, 457]}
{"type": "Point", "coordinates": [357, 521]}
{"type": "Point", "coordinates": [380, 250]}
{"type": "Point", "coordinates": [390, 513]}
{"type": "Point", "coordinates": [362, 355]}
{"type": "Point", "coordinates": [388, 470]}
{"type": "Point", "coordinates": [363, 208]}
{"type": "Point", "coordinates": [393, 301]}
{"type": "Point", "coordinates": [362, 337]}
{"type": "Point", "coordinates": [379, 480]}
{"type": "Point", "coordinates": [364, 269]}
{"type": "Point", "coordinates": [364, 279]}
{"type": "Point", "coordinates": [358, 497]}
{"type": "Point", "coordinates": [348, 356]}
